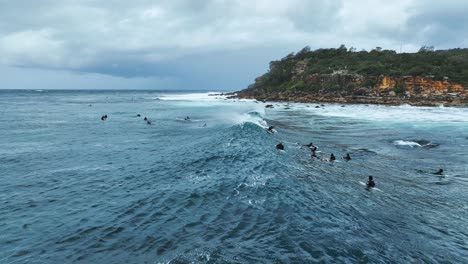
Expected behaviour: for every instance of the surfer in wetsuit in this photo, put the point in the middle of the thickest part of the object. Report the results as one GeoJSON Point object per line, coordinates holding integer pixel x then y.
{"type": "Point", "coordinates": [440, 172]}
{"type": "Point", "coordinates": [280, 146]}
{"type": "Point", "coordinates": [370, 183]}
{"type": "Point", "coordinates": [347, 157]}
{"type": "Point", "coordinates": [187, 118]}
{"type": "Point", "coordinates": [332, 157]}
{"type": "Point", "coordinates": [310, 145]}
{"type": "Point", "coordinates": [270, 129]}
{"type": "Point", "coordinates": [146, 119]}
{"type": "Point", "coordinates": [314, 152]}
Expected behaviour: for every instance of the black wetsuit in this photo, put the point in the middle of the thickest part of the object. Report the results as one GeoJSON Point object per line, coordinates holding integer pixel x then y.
{"type": "Point", "coordinates": [332, 157]}
{"type": "Point", "coordinates": [280, 146]}
{"type": "Point", "coordinates": [370, 183]}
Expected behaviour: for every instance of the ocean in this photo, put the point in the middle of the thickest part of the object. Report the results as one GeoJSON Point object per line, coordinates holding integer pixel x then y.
{"type": "Point", "coordinates": [214, 188]}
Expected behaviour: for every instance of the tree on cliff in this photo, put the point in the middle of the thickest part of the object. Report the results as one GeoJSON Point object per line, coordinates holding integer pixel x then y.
{"type": "Point", "coordinates": [291, 71]}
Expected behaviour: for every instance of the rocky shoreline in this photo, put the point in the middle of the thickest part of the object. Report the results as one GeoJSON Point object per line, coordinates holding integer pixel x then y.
{"type": "Point", "coordinates": [442, 100]}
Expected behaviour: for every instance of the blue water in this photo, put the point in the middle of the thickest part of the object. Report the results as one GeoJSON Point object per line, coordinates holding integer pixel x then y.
{"type": "Point", "coordinates": [75, 189]}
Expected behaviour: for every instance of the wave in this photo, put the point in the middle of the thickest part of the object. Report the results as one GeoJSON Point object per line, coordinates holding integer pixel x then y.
{"type": "Point", "coordinates": [415, 143]}
{"type": "Point", "coordinates": [406, 143]}
{"type": "Point", "coordinates": [255, 114]}
{"type": "Point", "coordinates": [251, 117]}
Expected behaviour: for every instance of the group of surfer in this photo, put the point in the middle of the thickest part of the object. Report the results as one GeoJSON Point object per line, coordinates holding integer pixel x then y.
{"type": "Point", "coordinates": [370, 182]}
{"type": "Point", "coordinates": [145, 119]}
{"type": "Point", "coordinates": [187, 118]}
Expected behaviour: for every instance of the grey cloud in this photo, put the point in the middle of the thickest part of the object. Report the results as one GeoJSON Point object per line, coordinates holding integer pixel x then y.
{"type": "Point", "coordinates": [442, 24]}
{"type": "Point", "coordinates": [175, 39]}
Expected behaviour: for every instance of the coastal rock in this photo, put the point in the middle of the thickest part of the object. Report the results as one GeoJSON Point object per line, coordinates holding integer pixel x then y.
{"type": "Point", "coordinates": [379, 77]}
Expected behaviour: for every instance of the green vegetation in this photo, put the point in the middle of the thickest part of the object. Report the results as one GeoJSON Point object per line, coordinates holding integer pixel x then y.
{"type": "Point", "coordinates": [290, 70]}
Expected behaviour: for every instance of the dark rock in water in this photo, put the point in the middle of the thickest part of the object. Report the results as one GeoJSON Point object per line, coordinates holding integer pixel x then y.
{"type": "Point", "coordinates": [366, 150]}
{"type": "Point", "coordinates": [426, 143]}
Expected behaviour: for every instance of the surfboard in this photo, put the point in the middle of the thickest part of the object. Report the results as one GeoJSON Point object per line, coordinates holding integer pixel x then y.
{"type": "Point", "coordinates": [370, 188]}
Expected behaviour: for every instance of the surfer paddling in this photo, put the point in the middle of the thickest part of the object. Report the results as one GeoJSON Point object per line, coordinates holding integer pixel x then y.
{"type": "Point", "coordinates": [347, 157]}
{"type": "Point", "coordinates": [280, 146]}
{"type": "Point", "coordinates": [370, 183]}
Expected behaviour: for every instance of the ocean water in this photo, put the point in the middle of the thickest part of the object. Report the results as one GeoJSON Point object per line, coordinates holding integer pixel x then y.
{"type": "Point", "coordinates": [75, 189]}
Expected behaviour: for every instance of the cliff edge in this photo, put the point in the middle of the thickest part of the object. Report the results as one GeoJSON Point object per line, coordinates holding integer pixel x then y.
{"type": "Point", "coordinates": [427, 77]}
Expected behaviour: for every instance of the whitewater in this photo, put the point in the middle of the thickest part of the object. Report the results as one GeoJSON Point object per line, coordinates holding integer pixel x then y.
{"type": "Point", "coordinates": [212, 188]}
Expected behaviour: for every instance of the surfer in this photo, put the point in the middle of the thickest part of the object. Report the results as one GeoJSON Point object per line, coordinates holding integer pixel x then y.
{"type": "Point", "coordinates": [270, 129]}
{"type": "Point", "coordinates": [370, 183]}
{"type": "Point", "coordinates": [347, 157]}
{"type": "Point", "coordinates": [104, 117]}
{"type": "Point", "coordinates": [138, 115]}
{"type": "Point", "coordinates": [310, 145]}
{"type": "Point", "coordinates": [146, 119]}
{"type": "Point", "coordinates": [332, 157]}
{"type": "Point", "coordinates": [187, 118]}
{"type": "Point", "coordinates": [440, 172]}
{"type": "Point", "coordinates": [280, 146]}
{"type": "Point", "coordinates": [149, 122]}
{"type": "Point", "coordinates": [314, 152]}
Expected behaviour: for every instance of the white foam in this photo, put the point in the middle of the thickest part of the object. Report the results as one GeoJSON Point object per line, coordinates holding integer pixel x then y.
{"type": "Point", "coordinates": [403, 113]}
{"type": "Point", "coordinates": [241, 118]}
{"type": "Point", "coordinates": [406, 143]}
{"type": "Point", "coordinates": [210, 96]}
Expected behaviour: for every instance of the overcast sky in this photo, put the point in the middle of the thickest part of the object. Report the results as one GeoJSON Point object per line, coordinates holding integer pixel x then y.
{"type": "Point", "coordinates": [201, 44]}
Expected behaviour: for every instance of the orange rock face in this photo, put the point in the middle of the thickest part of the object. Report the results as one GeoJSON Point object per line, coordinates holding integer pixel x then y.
{"type": "Point", "coordinates": [419, 85]}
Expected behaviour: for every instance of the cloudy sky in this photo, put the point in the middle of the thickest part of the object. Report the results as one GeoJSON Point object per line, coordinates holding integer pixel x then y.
{"type": "Point", "coordinates": [201, 44]}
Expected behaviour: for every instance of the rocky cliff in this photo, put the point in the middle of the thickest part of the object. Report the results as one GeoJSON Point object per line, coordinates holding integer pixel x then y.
{"type": "Point", "coordinates": [295, 78]}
